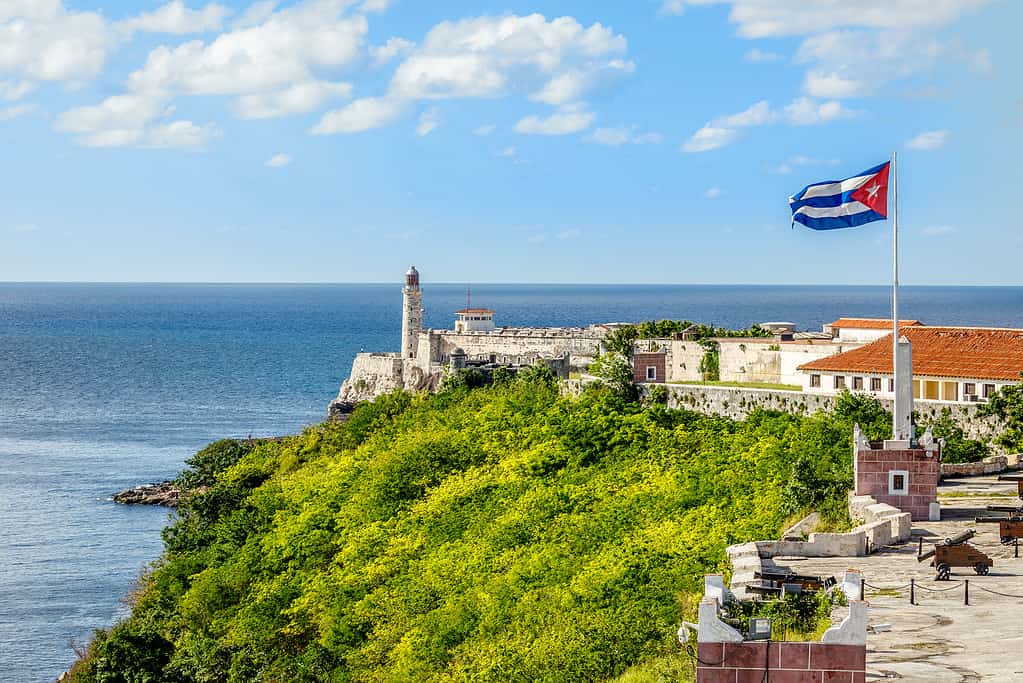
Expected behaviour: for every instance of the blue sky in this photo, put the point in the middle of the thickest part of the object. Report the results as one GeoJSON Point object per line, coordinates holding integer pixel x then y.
{"type": "Point", "coordinates": [514, 141]}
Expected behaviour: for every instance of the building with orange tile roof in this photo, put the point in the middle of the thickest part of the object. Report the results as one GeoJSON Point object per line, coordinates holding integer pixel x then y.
{"type": "Point", "coordinates": [958, 364]}
{"type": "Point", "coordinates": [862, 330]}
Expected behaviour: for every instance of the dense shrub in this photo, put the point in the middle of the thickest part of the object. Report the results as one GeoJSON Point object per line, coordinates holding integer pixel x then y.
{"type": "Point", "coordinates": [498, 534]}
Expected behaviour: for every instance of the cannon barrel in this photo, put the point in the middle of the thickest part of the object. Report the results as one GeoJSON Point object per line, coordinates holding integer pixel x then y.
{"type": "Point", "coordinates": [996, 520]}
{"type": "Point", "coordinates": [787, 577]}
{"type": "Point", "coordinates": [958, 539]}
{"type": "Point", "coordinates": [1005, 508]}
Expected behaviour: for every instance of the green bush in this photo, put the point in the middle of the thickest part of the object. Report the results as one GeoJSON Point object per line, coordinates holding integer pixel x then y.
{"type": "Point", "coordinates": [499, 534]}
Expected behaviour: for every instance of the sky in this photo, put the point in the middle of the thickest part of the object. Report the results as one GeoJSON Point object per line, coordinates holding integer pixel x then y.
{"type": "Point", "coordinates": [581, 141]}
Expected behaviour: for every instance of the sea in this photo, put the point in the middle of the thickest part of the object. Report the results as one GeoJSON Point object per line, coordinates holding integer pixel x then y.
{"type": "Point", "coordinates": [107, 386]}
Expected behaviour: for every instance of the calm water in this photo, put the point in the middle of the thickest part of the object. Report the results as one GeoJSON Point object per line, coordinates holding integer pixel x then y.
{"type": "Point", "coordinates": [106, 386]}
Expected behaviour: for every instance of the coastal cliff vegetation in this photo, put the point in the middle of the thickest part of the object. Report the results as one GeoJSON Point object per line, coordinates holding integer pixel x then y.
{"type": "Point", "coordinates": [503, 533]}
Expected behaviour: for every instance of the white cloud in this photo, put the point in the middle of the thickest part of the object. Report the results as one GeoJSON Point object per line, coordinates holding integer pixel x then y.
{"type": "Point", "coordinates": [428, 121]}
{"type": "Point", "coordinates": [939, 230]}
{"type": "Point", "coordinates": [622, 135]}
{"type": "Point", "coordinates": [709, 138]}
{"type": "Point", "coordinates": [361, 115]}
{"type": "Point", "coordinates": [805, 112]}
{"type": "Point", "coordinates": [671, 8]}
{"type": "Point", "coordinates": [282, 51]}
{"type": "Point", "coordinates": [278, 161]}
{"type": "Point", "coordinates": [802, 111]}
{"type": "Point", "coordinates": [375, 6]}
{"type": "Point", "coordinates": [507, 153]}
{"type": "Point", "coordinates": [782, 169]}
{"type": "Point", "coordinates": [41, 40]}
{"type": "Point", "coordinates": [14, 90]}
{"type": "Point", "coordinates": [296, 99]}
{"type": "Point", "coordinates": [803, 160]}
{"type": "Point", "coordinates": [133, 121]}
{"type": "Point", "coordinates": [928, 140]}
{"type": "Point", "coordinates": [771, 18]}
{"type": "Point", "coordinates": [556, 61]}
{"type": "Point", "coordinates": [16, 111]}
{"type": "Point", "coordinates": [713, 193]}
{"type": "Point", "coordinates": [565, 121]}
{"type": "Point", "coordinates": [757, 115]}
{"type": "Point", "coordinates": [175, 17]}
{"type": "Point", "coordinates": [569, 234]}
{"type": "Point", "coordinates": [819, 84]}
{"type": "Point", "coordinates": [255, 14]}
{"type": "Point", "coordinates": [538, 238]}
{"type": "Point", "coordinates": [485, 130]}
{"type": "Point", "coordinates": [756, 55]}
{"type": "Point", "coordinates": [392, 49]}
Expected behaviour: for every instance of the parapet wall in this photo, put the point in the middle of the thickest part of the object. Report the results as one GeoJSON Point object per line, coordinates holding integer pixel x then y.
{"type": "Point", "coordinates": [781, 662]}
{"type": "Point", "coordinates": [738, 402]}
{"type": "Point", "coordinates": [513, 344]}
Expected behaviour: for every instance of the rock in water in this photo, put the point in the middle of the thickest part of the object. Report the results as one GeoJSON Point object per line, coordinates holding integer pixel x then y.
{"type": "Point", "coordinates": [166, 493]}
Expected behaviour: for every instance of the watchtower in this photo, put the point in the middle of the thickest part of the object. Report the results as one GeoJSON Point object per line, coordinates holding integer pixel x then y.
{"type": "Point", "coordinates": [411, 314]}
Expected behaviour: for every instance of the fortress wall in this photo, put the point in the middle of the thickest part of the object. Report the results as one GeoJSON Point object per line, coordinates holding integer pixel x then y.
{"type": "Point", "coordinates": [511, 344]}
{"type": "Point", "coordinates": [738, 402]}
{"type": "Point", "coordinates": [684, 361]}
{"type": "Point", "coordinates": [372, 374]}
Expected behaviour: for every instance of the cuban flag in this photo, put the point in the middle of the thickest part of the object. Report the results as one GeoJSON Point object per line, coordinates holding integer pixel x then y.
{"type": "Point", "coordinates": [843, 203]}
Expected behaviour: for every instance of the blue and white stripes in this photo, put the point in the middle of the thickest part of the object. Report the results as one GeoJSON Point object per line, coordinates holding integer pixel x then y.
{"type": "Point", "coordinates": [843, 203]}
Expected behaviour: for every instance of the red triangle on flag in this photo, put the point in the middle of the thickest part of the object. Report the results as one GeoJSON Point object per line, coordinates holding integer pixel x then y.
{"type": "Point", "coordinates": [874, 192]}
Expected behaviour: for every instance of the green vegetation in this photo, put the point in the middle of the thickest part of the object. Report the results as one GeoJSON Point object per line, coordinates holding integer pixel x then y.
{"type": "Point", "coordinates": [505, 533]}
{"type": "Point", "coordinates": [744, 385]}
{"type": "Point", "coordinates": [957, 447]}
{"type": "Point", "coordinates": [653, 329]}
{"type": "Point", "coordinates": [1006, 405]}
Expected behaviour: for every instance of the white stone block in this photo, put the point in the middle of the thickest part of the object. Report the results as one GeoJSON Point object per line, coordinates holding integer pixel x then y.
{"type": "Point", "coordinates": [851, 583]}
{"type": "Point", "coordinates": [853, 629]}
{"type": "Point", "coordinates": [713, 630]}
{"type": "Point", "coordinates": [934, 512]}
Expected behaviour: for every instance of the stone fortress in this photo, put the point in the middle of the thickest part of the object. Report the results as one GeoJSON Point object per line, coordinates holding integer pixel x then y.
{"type": "Point", "coordinates": [794, 371]}
{"type": "Point", "coordinates": [427, 355]}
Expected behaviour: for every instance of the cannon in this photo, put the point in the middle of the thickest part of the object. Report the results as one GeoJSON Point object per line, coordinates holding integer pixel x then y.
{"type": "Point", "coordinates": [956, 552]}
{"type": "Point", "coordinates": [777, 583]}
{"type": "Point", "coordinates": [1009, 528]}
{"type": "Point", "coordinates": [1016, 478]}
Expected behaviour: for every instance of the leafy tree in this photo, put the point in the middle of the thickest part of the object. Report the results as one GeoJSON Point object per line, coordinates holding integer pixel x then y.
{"type": "Point", "coordinates": [1007, 406]}
{"type": "Point", "coordinates": [620, 340]}
{"type": "Point", "coordinates": [710, 362]}
{"type": "Point", "coordinates": [615, 372]}
{"type": "Point", "coordinates": [957, 448]}
{"type": "Point", "coordinates": [865, 410]}
{"type": "Point", "coordinates": [204, 466]}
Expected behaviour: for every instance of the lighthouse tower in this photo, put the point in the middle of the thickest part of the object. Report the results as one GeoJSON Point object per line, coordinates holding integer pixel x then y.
{"type": "Point", "coordinates": [411, 314]}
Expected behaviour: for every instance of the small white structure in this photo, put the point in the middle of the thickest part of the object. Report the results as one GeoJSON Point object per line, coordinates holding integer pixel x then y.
{"type": "Point", "coordinates": [474, 320]}
{"type": "Point", "coordinates": [863, 330]}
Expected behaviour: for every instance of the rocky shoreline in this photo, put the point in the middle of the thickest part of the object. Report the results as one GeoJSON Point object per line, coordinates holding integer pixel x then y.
{"type": "Point", "coordinates": [165, 493]}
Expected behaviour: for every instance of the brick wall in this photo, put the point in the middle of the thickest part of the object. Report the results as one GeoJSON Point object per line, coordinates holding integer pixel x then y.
{"type": "Point", "coordinates": [873, 466]}
{"type": "Point", "coordinates": [783, 662]}
{"type": "Point", "coordinates": [640, 362]}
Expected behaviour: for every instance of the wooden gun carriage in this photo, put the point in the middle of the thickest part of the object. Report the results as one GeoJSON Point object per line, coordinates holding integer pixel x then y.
{"type": "Point", "coordinates": [777, 583]}
{"type": "Point", "coordinates": [1009, 528]}
{"type": "Point", "coordinates": [956, 552]}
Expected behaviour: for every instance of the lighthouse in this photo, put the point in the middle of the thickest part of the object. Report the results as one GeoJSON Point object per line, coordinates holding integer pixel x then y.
{"type": "Point", "coordinates": [411, 314]}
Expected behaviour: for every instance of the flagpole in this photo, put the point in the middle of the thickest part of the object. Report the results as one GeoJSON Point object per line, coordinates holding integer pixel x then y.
{"type": "Point", "coordinates": [895, 285]}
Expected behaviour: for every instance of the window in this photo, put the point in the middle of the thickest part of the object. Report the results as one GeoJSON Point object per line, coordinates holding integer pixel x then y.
{"type": "Point", "coordinates": [839, 382]}
{"type": "Point", "coordinates": [858, 383]}
{"type": "Point", "coordinates": [875, 384]}
{"type": "Point", "coordinates": [969, 389]}
{"type": "Point", "coordinates": [815, 381]}
{"type": "Point", "coordinates": [651, 373]}
{"type": "Point", "coordinates": [898, 483]}
{"type": "Point", "coordinates": [989, 389]}
{"type": "Point", "coordinates": [891, 386]}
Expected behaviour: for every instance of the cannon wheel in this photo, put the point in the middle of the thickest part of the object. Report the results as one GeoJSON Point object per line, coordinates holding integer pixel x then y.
{"type": "Point", "coordinates": [948, 541]}
{"type": "Point", "coordinates": [944, 571]}
{"type": "Point", "coordinates": [981, 568]}
{"type": "Point", "coordinates": [1007, 540]}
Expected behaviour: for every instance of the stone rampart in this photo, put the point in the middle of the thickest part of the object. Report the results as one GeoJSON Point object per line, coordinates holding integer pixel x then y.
{"type": "Point", "coordinates": [738, 402]}
{"type": "Point", "coordinates": [515, 345]}
{"type": "Point", "coordinates": [992, 465]}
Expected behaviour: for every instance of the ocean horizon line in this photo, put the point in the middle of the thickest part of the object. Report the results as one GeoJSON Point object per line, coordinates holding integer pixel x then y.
{"type": "Point", "coordinates": [474, 283]}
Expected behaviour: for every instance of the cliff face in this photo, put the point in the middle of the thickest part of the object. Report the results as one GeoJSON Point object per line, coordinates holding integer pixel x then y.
{"type": "Point", "coordinates": [375, 374]}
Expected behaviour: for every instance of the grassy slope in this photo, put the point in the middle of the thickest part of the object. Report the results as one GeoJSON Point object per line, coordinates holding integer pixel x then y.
{"type": "Point", "coordinates": [503, 534]}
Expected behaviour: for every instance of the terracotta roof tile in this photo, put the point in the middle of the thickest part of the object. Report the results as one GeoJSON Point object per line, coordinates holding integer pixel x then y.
{"type": "Point", "coordinates": [962, 352]}
{"type": "Point", "coordinates": [872, 323]}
